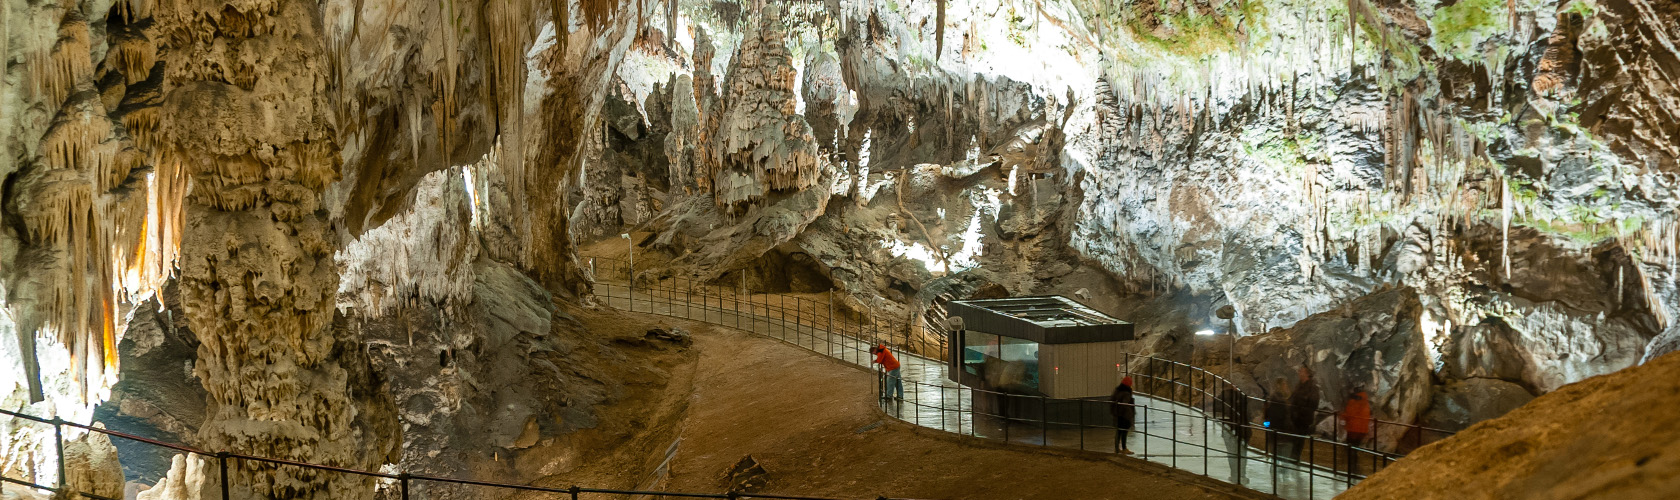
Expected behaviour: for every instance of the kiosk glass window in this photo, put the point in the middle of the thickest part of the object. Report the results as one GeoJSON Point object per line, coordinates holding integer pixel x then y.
{"type": "Point", "coordinates": [1005, 362]}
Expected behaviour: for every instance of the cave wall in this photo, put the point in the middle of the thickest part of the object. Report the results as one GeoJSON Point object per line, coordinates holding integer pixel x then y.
{"type": "Point", "coordinates": [1446, 148]}
{"type": "Point", "coordinates": [323, 174]}
{"type": "Point", "coordinates": [1286, 158]}
{"type": "Point", "coordinates": [263, 152]}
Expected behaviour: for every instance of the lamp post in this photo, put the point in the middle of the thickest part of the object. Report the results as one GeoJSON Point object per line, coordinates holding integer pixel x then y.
{"type": "Point", "coordinates": [1229, 314]}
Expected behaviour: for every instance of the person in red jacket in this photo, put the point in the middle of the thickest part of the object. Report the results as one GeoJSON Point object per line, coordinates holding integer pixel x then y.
{"type": "Point", "coordinates": [894, 382]}
{"type": "Point", "coordinates": [1356, 418]}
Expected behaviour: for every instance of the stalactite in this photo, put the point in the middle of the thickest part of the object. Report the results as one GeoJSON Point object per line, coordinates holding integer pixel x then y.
{"type": "Point", "coordinates": [135, 55]}
{"type": "Point", "coordinates": [57, 73]}
{"type": "Point", "coordinates": [142, 124]}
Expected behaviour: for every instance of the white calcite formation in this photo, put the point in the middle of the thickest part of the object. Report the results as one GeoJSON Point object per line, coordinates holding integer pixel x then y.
{"type": "Point", "coordinates": [761, 145]}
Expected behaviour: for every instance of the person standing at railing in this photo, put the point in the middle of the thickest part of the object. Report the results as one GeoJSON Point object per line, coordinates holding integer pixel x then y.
{"type": "Point", "coordinates": [1234, 414]}
{"type": "Point", "coordinates": [1356, 418]}
{"type": "Point", "coordinates": [1285, 440]}
{"type": "Point", "coordinates": [894, 381]}
{"type": "Point", "coordinates": [1124, 407]}
{"type": "Point", "coordinates": [1303, 404]}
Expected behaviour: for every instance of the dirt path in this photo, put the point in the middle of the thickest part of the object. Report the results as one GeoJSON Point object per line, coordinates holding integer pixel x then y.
{"type": "Point", "coordinates": [811, 422]}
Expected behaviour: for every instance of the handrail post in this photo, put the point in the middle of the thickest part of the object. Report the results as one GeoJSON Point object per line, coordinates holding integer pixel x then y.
{"type": "Point", "coordinates": [828, 336]}
{"type": "Point", "coordinates": [1336, 434]}
{"type": "Point", "coordinates": [58, 444]}
{"type": "Point", "coordinates": [402, 482]}
{"type": "Point", "coordinates": [1272, 444]}
{"type": "Point", "coordinates": [1081, 423]}
{"type": "Point", "coordinates": [1043, 421]}
{"type": "Point", "coordinates": [1173, 431]}
{"type": "Point", "coordinates": [1311, 460]}
{"type": "Point", "coordinates": [942, 407]}
{"type": "Point", "coordinates": [574, 490]}
{"type": "Point", "coordinates": [917, 410]}
{"type": "Point", "coordinates": [222, 457]}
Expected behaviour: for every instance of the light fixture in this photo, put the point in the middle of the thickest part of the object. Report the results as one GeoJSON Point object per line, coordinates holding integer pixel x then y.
{"type": "Point", "coordinates": [1204, 333]}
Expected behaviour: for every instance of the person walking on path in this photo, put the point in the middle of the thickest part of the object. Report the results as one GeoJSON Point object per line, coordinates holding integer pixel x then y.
{"type": "Point", "coordinates": [894, 382]}
{"type": "Point", "coordinates": [1356, 418]}
{"type": "Point", "coordinates": [1235, 417]}
{"type": "Point", "coordinates": [1303, 403]}
{"type": "Point", "coordinates": [1124, 408]}
{"type": "Point", "coordinates": [1279, 422]}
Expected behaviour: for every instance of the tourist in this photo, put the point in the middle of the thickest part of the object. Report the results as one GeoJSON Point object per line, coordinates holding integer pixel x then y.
{"type": "Point", "coordinates": [1235, 416]}
{"type": "Point", "coordinates": [1304, 406]}
{"type": "Point", "coordinates": [1356, 418]}
{"type": "Point", "coordinates": [894, 382]}
{"type": "Point", "coordinates": [1277, 421]}
{"type": "Point", "coordinates": [1124, 408]}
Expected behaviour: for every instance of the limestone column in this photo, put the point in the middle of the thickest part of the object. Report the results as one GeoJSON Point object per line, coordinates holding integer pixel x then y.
{"type": "Point", "coordinates": [246, 115]}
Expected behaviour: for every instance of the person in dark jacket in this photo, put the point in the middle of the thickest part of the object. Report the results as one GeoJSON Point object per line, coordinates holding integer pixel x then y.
{"type": "Point", "coordinates": [1303, 404]}
{"type": "Point", "coordinates": [1124, 408]}
{"type": "Point", "coordinates": [1280, 437]}
{"type": "Point", "coordinates": [1234, 409]}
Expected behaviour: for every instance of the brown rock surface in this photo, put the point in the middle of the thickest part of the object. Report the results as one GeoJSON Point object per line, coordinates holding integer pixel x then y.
{"type": "Point", "coordinates": [1611, 436]}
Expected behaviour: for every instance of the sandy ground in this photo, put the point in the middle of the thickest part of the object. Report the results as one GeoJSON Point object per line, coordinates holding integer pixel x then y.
{"type": "Point", "coordinates": [812, 423]}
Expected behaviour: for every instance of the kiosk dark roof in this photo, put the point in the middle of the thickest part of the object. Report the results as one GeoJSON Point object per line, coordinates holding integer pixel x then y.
{"type": "Point", "coordinates": [1046, 319]}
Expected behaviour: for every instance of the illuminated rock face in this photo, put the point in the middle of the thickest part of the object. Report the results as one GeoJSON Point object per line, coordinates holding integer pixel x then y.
{"type": "Point", "coordinates": [1304, 182]}
{"type": "Point", "coordinates": [1286, 165]}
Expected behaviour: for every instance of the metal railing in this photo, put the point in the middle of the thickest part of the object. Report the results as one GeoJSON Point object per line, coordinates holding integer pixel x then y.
{"type": "Point", "coordinates": [403, 485]}
{"type": "Point", "coordinates": [1194, 393]}
{"type": "Point", "coordinates": [1168, 379]}
{"type": "Point", "coordinates": [1162, 432]}
{"type": "Point", "coordinates": [808, 322]}
{"type": "Point", "coordinates": [1194, 386]}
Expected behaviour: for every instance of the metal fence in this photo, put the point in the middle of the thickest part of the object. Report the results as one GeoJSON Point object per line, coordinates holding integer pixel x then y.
{"type": "Point", "coordinates": [1165, 431]}
{"type": "Point", "coordinates": [1193, 386]}
{"type": "Point", "coordinates": [1325, 464]}
{"type": "Point", "coordinates": [393, 485]}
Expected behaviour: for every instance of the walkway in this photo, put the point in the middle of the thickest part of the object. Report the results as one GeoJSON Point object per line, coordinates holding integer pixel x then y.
{"type": "Point", "coordinates": [1166, 432]}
